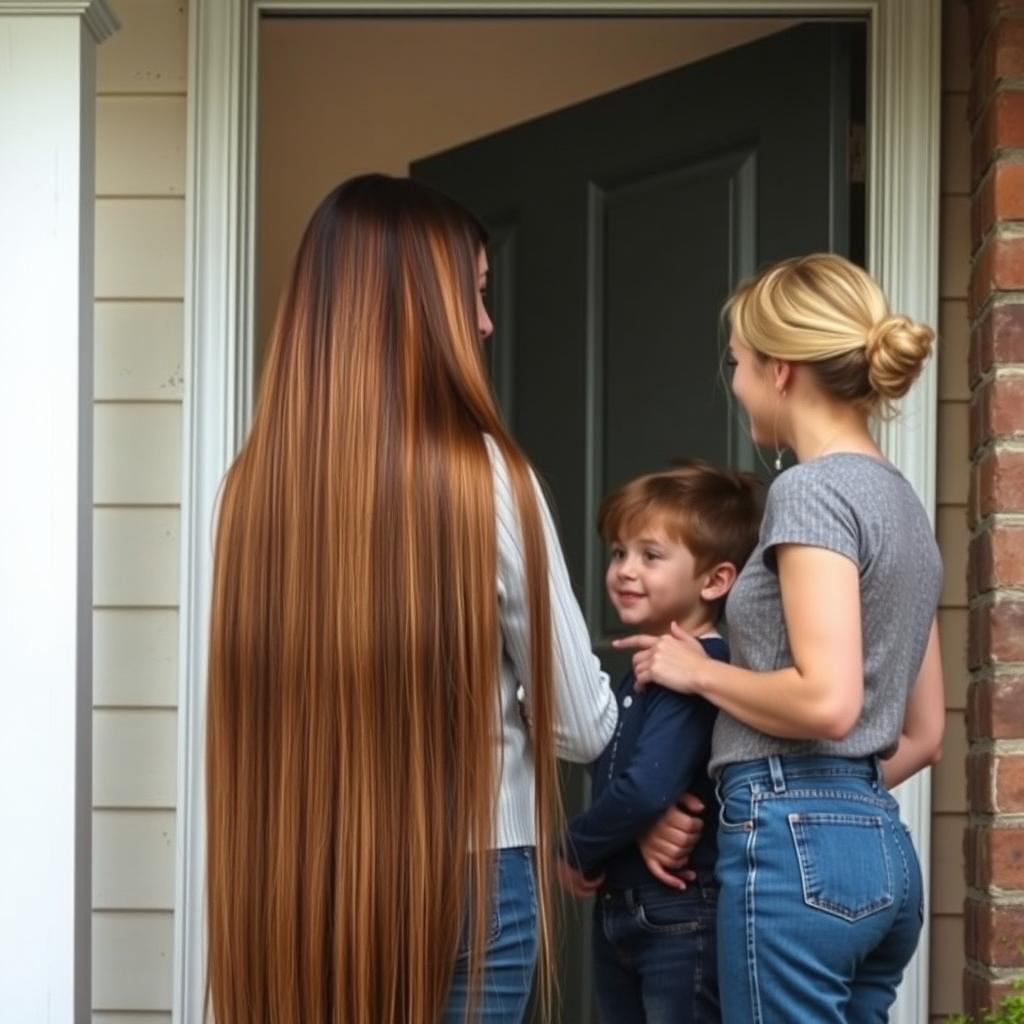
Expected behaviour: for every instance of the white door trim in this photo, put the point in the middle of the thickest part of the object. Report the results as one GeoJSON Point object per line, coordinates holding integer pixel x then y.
{"type": "Point", "coordinates": [903, 203]}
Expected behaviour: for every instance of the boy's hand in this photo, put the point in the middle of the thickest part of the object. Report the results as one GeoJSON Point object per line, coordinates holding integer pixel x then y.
{"type": "Point", "coordinates": [667, 845]}
{"type": "Point", "coordinates": [673, 660]}
{"type": "Point", "coordinates": [575, 882]}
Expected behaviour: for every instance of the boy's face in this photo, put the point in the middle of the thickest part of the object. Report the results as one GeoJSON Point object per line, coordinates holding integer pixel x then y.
{"type": "Point", "coordinates": [652, 581]}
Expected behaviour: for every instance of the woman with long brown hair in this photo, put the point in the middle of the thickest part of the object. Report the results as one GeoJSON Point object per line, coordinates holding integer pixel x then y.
{"type": "Point", "coordinates": [382, 807]}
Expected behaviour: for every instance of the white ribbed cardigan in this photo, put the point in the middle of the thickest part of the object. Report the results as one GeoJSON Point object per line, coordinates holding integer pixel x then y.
{"type": "Point", "coordinates": [585, 707]}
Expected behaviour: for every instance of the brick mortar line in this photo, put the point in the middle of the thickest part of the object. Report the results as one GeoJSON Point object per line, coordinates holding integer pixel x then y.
{"type": "Point", "coordinates": [1002, 84]}
{"type": "Point", "coordinates": [1007, 520]}
{"type": "Point", "coordinates": [992, 673]}
{"type": "Point", "coordinates": [1013, 595]}
{"type": "Point", "coordinates": [992, 232]}
{"type": "Point", "coordinates": [997, 747]}
{"type": "Point", "coordinates": [987, 597]}
{"type": "Point", "coordinates": [989, 973]}
{"type": "Point", "coordinates": [1001, 899]}
{"type": "Point", "coordinates": [1009, 444]}
{"type": "Point", "coordinates": [1001, 595]}
{"type": "Point", "coordinates": [1009, 228]}
{"type": "Point", "coordinates": [1006, 822]}
{"type": "Point", "coordinates": [999, 297]}
{"type": "Point", "coordinates": [983, 180]}
{"type": "Point", "coordinates": [1015, 438]}
{"type": "Point", "coordinates": [997, 372]}
{"type": "Point", "coordinates": [998, 153]}
{"type": "Point", "coordinates": [1008, 83]}
{"type": "Point", "coordinates": [1002, 296]}
{"type": "Point", "coordinates": [982, 452]}
{"type": "Point", "coordinates": [997, 519]}
{"type": "Point", "coordinates": [1008, 155]}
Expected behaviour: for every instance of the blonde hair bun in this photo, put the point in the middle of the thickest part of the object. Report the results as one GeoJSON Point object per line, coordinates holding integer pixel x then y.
{"type": "Point", "coordinates": [896, 348]}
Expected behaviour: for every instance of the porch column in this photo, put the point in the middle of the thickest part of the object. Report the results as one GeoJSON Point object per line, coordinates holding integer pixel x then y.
{"type": "Point", "coordinates": [47, 101]}
{"type": "Point", "coordinates": [995, 769]}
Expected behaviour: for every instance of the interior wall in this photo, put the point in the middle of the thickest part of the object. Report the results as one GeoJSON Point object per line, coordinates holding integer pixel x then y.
{"type": "Point", "coordinates": [343, 96]}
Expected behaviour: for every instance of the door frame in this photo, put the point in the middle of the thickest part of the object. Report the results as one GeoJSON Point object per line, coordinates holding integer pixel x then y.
{"type": "Point", "coordinates": [902, 140]}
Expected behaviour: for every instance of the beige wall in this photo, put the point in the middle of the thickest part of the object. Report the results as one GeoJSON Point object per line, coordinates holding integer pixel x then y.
{"type": "Point", "coordinates": [949, 799]}
{"type": "Point", "coordinates": [345, 96]}
{"type": "Point", "coordinates": [140, 258]}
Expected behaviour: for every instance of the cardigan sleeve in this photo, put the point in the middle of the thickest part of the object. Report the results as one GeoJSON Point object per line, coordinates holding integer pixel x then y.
{"type": "Point", "coordinates": [585, 708]}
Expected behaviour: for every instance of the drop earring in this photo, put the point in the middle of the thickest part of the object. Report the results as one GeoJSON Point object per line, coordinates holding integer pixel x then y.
{"type": "Point", "coordinates": [778, 448]}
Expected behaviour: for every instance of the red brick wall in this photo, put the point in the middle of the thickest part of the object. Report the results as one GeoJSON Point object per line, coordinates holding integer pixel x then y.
{"type": "Point", "coordinates": [994, 922]}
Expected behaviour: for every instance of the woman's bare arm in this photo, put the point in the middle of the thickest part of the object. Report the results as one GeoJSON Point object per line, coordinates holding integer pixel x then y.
{"type": "Point", "coordinates": [920, 742]}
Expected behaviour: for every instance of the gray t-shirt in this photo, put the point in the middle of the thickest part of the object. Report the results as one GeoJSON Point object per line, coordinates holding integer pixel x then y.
{"type": "Point", "coordinates": [865, 509]}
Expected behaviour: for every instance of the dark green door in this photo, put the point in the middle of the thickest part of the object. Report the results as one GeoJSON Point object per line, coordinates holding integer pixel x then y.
{"type": "Point", "coordinates": [619, 226]}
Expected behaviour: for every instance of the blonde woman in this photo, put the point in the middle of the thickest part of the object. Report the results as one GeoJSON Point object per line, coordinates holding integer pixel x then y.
{"type": "Point", "coordinates": [380, 816]}
{"type": "Point", "coordinates": [835, 691]}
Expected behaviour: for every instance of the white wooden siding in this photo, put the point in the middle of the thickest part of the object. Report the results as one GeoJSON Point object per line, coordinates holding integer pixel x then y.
{"type": "Point", "coordinates": [136, 968]}
{"type": "Point", "coordinates": [135, 864]}
{"type": "Point", "coordinates": [140, 248]}
{"type": "Point", "coordinates": [140, 145]}
{"type": "Point", "coordinates": [134, 762]}
{"type": "Point", "coordinates": [136, 556]}
{"type": "Point", "coordinates": [138, 453]}
{"type": "Point", "coordinates": [138, 351]}
{"type": "Point", "coordinates": [140, 255]}
{"type": "Point", "coordinates": [135, 657]}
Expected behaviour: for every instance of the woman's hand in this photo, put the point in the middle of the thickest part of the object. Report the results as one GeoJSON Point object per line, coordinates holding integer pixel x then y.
{"type": "Point", "coordinates": [575, 882]}
{"type": "Point", "coordinates": [673, 660]}
{"type": "Point", "coordinates": [667, 845]}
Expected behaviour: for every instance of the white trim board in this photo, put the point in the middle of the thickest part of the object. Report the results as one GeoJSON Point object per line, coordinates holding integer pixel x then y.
{"type": "Point", "coordinates": [47, 200]}
{"type": "Point", "coordinates": [903, 201]}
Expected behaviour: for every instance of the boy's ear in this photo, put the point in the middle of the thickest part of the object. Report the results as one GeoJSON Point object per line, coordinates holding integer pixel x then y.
{"type": "Point", "coordinates": [717, 581]}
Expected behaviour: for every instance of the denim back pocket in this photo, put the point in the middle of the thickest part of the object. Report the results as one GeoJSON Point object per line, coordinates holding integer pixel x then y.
{"type": "Point", "coordinates": [844, 863]}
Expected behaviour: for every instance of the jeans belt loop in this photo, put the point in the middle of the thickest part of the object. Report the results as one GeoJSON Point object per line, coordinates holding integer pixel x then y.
{"type": "Point", "coordinates": [878, 782]}
{"type": "Point", "coordinates": [778, 779]}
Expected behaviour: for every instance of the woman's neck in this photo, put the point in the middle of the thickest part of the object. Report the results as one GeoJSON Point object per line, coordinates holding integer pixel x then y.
{"type": "Point", "coordinates": [827, 428]}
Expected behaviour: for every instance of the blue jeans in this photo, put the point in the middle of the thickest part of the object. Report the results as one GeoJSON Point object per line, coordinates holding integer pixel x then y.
{"type": "Point", "coordinates": [511, 953]}
{"type": "Point", "coordinates": [821, 900]}
{"type": "Point", "coordinates": [654, 955]}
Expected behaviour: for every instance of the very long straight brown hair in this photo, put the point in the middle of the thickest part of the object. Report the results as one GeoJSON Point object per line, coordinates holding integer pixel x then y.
{"type": "Point", "coordinates": [352, 763]}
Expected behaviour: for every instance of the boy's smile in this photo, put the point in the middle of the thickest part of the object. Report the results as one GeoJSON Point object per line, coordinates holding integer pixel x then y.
{"type": "Point", "coordinates": [652, 581]}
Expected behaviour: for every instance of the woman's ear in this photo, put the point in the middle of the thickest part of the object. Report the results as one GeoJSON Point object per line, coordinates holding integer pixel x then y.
{"type": "Point", "coordinates": [782, 375]}
{"type": "Point", "coordinates": [717, 581]}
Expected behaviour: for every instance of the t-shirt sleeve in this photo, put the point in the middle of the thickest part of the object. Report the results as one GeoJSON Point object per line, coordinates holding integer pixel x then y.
{"type": "Point", "coordinates": [806, 507]}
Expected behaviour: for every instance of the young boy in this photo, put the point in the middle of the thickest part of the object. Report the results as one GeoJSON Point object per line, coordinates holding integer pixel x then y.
{"type": "Point", "coordinates": [677, 541]}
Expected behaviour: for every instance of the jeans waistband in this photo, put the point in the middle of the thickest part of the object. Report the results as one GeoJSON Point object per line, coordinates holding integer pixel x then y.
{"type": "Point", "coordinates": [703, 887]}
{"type": "Point", "coordinates": [778, 771]}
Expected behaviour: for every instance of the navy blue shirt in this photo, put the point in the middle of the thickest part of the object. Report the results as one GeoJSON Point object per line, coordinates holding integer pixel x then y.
{"type": "Point", "coordinates": [660, 750]}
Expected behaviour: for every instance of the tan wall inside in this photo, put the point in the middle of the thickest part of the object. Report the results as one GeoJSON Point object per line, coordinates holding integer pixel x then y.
{"type": "Point", "coordinates": [140, 262]}
{"type": "Point", "coordinates": [949, 793]}
{"type": "Point", "coordinates": [345, 96]}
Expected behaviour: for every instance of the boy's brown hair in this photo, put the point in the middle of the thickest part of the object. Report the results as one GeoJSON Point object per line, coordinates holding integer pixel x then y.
{"type": "Point", "coordinates": [715, 512]}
